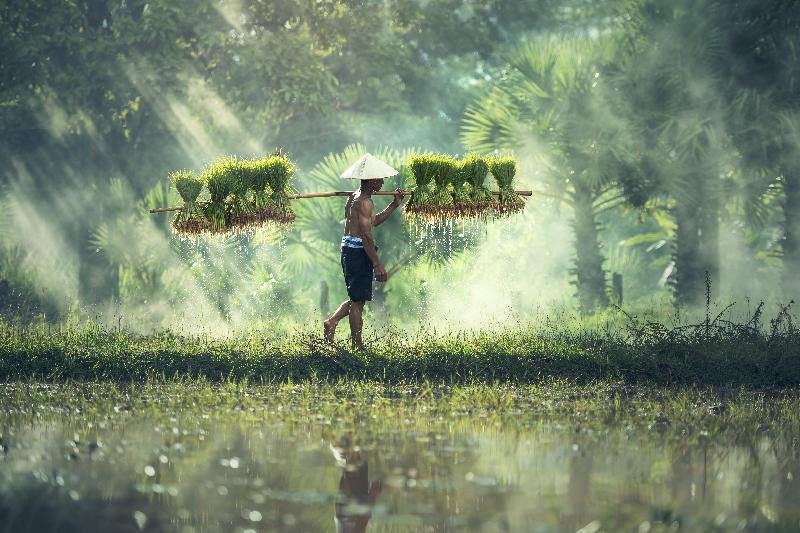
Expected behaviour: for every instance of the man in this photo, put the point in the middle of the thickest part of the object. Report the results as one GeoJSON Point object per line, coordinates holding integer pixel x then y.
{"type": "Point", "coordinates": [360, 261]}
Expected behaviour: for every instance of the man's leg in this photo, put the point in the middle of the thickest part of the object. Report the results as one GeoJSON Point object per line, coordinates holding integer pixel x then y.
{"type": "Point", "coordinates": [356, 322]}
{"type": "Point", "coordinates": [330, 324]}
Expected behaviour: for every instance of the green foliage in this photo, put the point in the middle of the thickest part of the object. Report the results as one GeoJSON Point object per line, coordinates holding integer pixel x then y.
{"type": "Point", "coordinates": [435, 176]}
{"type": "Point", "coordinates": [554, 99]}
{"type": "Point", "coordinates": [258, 172]}
{"type": "Point", "coordinates": [190, 219]}
{"type": "Point", "coordinates": [240, 209]}
{"type": "Point", "coordinates": [245, 193]}
{"type": "Point", "coordinates": [445, 171]}
{"type": "Point", "coordinates": [712, 352]}
{"type": "Point", "coordinates": [503, 168]}
{"type": "Point", "coordinates": [421, 170]}
{"type": "Point", "coordinates": [461, 186]}
{"type": "Point", "coordinates": [280, 171]}
{"type": "Point", "coordinates": [187, 185]}
{"type": "Point", "coordinates": [703, 129]}
{"type": "Point", "coordinates": [453, 188]}
{"type": "Point", "coordinates": [475, 169]}
{"type": "Point", "coordinates": [218, 177]}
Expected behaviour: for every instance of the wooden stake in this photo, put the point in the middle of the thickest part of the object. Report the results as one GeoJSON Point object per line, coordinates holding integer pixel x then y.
{"type": "Point", "coordinates": [329, 194]}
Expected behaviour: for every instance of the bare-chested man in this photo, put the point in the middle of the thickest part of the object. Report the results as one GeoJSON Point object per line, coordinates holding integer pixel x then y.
{"type": "Point", "coordinates": [360, 257]}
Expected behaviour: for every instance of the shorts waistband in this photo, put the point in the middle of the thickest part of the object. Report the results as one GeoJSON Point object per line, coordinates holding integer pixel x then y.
{"type": "Point", "coordinates": [348, 241]}
{"type": "Point", "coordinates": [352, 242]}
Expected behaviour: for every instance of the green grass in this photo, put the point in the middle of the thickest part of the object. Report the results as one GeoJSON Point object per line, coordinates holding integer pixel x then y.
{"type": "Point", "coordinates": [709, 353]}
{"type": "Point", "coordinates": [684, 410]}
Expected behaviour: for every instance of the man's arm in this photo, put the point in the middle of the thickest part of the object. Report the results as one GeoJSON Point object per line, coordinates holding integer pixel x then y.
{"type": "Point", "coordinates": [381, 217]}
{"type": "Point", "coordinates": [365, 215]}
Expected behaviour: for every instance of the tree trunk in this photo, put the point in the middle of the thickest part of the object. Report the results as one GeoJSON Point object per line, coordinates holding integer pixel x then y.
{"type": "Point", "coordinates": [589, 273]}
{"type": "Point", "coordinates": [791, 236]}
{"type": "Point", "coordinates": [688, 276]}
{"type": "Point", "coordinates": [709, 240]}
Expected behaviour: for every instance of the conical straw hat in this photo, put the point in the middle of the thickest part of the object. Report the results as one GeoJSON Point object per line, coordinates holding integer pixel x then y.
{"type": "Point", "coordinates": [369, 167]}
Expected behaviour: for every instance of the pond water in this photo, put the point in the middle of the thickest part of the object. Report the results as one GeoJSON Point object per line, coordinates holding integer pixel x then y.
{"type": "Point", "coordinates": [293, 468]}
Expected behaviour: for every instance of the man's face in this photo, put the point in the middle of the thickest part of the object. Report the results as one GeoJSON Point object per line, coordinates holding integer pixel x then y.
{"type": "Point", "coordinates": [376, 184]}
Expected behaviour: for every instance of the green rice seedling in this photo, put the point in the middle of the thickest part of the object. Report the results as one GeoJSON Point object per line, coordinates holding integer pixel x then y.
{"type": "Point", "coordinates": [421, 169]}
{"type": "Point", "coordinates": [280, 173]}
{"type": "Point", "coordinates": [263, 205]}
{"type": "Point", "coordinates": [444, 174]}
{"type": "Point", "coordinates": [481, 198]}
{"type": "Point", "coordinates": [190, 219]}
{"type": "Point", "coordinates": [217, 178]}
{"type": "Point", "coordinates": [462, 201]}
{"type": "Point", "coordinates": [503, 168]}
{"type": "Point", "coordinates": [239, 177]}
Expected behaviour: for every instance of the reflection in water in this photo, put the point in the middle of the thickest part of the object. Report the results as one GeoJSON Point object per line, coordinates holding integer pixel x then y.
{"type": "Point", "coordinates": [236, 473]}
{"type": "Point", "coordinates": [580, 470]}
{"type": "Point", "coordinates": [356, 494]}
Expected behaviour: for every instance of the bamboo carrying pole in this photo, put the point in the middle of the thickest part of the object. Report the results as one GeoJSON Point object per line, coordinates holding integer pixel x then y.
{"type": "Point", "coordinates": [329, 194]}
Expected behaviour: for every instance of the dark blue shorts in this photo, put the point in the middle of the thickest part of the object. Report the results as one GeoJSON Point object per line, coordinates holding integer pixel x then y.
{"type": "Point", "coordinates": [358, 273]}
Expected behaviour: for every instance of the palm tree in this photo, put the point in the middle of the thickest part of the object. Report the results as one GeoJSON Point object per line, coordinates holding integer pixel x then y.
{"type": "Point", "coordinates": [761, 70]}
{"type": "Point", "coordinates": [667, 88]}
{"type": "Point", "coordinates": [549, 106]}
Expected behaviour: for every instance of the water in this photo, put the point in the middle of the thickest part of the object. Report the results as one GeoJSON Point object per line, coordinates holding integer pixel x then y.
{"type": "Point", "coordinates": [297, 468]}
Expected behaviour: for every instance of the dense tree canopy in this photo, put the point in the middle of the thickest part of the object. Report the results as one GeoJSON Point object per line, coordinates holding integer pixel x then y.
{"type": "Point", "coordinates": [686, 110]}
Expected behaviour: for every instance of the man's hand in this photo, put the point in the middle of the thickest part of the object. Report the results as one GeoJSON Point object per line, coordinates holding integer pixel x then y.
{"type": "Point", "coordinates": [380, 273]}
{"type": "Point", "coordinates": [398, 197]}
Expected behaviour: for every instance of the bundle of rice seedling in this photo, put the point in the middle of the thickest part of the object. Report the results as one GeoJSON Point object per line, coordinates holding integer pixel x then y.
{"type": "Point", "coordinates": [421, 169]}
{"type": "Point", "coordinates": [263, 206]}
{"type": "Point", "coordinates": [503, 168]}
{"type": "Point", "coordinates": [240, 210]}
{"type": "Point", "coordinates": [217, 178]}
{"type": "Point", "coordinates": [462, 202]}
{"type": "Point", "coordinates": [190, 219]}
{"type": "Point", "coordinates": [279, 175]}
{"type": "Point", "coordinates": [445, 170]}
{"type": "Point", "coordinates": [481, 198]}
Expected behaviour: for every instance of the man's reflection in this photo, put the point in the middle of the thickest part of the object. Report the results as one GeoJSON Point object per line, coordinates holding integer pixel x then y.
{"type": "Point", "coordinates": [356, 494]}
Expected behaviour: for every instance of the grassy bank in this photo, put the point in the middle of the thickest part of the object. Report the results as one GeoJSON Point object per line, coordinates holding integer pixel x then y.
{"type": "Point", "coordinates": [709, 353]}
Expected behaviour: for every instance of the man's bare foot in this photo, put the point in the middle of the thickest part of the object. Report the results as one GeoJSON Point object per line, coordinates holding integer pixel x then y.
{"type": "Point", "coordinates": [329, 329]}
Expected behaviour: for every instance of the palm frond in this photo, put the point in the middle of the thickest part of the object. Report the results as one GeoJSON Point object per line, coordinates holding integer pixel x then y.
{"type": "Point", "coordinates": [490, 125]}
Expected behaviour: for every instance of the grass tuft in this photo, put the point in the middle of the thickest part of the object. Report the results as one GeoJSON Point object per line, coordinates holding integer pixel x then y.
{"type": "Point", "coordinates": [710, 353]}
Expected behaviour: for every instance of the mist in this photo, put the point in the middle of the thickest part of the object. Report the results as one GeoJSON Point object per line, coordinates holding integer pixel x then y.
{"type": "Point", "coordinates": [654, 153]}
